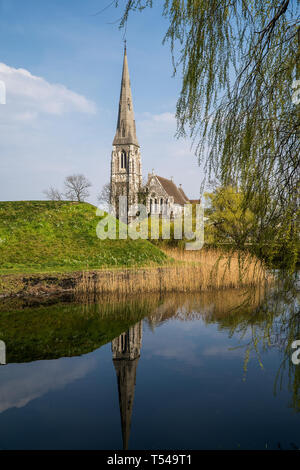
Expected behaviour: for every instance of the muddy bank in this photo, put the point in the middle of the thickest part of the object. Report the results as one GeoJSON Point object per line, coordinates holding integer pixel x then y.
{"type": "Point", "coordinates": [38, 285]}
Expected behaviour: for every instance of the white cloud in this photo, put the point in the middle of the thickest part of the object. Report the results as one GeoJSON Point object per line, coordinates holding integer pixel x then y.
{"type": "Point", "coordinates": [151, 124]}
{"type": "Point", "coordinates": [29, 95]}
{"type": "Point", "coordinates": [168, 118]}
{"type": "Point", "coordinates": [22, 383]}
{"type": "Point", "coordinates": [47, 132]}
{"type": "Point", "coordinates": [223, 351]}
{"type": "Point", "coordinates": [166, 154]}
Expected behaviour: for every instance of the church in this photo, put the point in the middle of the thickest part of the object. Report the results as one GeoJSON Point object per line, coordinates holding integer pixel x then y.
{"type": "Point", "coordinates": [160, 195]}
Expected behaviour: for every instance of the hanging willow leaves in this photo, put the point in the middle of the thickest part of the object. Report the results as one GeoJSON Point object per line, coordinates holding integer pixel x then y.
{"type": "Point", "coordinates": [239, 60]}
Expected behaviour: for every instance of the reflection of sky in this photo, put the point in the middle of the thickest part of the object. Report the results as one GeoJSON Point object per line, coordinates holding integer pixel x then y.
{"type": "Point", "coordinates": [198, 342]}
{"type": "Point", "coordinates": [200, 396]}
{"type": "Point", "coordinates": [22, 383]}
{"type": "Point", "coordinates": [190, 393]}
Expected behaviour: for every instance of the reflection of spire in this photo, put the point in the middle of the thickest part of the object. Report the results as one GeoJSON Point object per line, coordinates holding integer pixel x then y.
{"type": "Point", "coordinates": [126, 351]}
{"type": "Point", "coordinates": [2, 353]}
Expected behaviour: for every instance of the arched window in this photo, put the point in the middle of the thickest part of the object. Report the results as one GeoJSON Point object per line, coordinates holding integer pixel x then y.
{"type": "Point", "coordinates": [161, 205]}
{"type": "Point", "coordinates": [123, 129]}
{"type": "Point", "coordinates": [123, 159]}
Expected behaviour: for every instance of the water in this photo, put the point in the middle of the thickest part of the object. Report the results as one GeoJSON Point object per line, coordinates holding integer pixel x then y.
{"type": "Point", "coordinates": [209, 371]}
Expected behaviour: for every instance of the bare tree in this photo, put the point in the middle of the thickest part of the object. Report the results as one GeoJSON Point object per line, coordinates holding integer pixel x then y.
{"type": "Point", "coordinates": [76, 187]}
{"type": "Point", "coordinates": [104, 196]}
{"type": "Point", "coordinates": [53, 194]}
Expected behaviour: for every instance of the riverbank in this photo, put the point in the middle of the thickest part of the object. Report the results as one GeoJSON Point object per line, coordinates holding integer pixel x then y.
{"type": "Point", "coordinates": [61, 236]}
{"type": "Point", "coordinates": [187, 272]}
{"type": "Point", "coordinates": [50, 248]}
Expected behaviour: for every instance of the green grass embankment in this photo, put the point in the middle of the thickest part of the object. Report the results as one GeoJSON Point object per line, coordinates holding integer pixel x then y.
{"type": "Point", "coordinates": [50, 236]}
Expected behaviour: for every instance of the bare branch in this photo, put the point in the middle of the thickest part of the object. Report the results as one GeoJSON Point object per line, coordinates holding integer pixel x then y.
{"type": "Point", "coordinates": [76, 187]}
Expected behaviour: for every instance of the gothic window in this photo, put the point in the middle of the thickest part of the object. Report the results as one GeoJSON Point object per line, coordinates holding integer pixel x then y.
{"type": "Point", "coordinates": [128, 104]}
{"type": "Point", "coordinates": [161, 205]}
{"type": "Point", "coordinates": [123, 159]}
{"type": "Point", "coordinates": [123, 129]}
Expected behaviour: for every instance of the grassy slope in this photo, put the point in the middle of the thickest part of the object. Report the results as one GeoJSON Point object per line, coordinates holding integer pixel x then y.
{"type": "Point", "coordinates": [60, 236]}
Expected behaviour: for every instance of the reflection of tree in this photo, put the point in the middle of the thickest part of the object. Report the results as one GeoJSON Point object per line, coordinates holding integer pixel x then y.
{"type": "Point", "coordinates": [271, 319]}
{"type": "Point", "coordinates": [287, 331]}
{"type": "Point", "coordinates": [38, 332]}
{"type": "Point", "coordinates": [275, 323]}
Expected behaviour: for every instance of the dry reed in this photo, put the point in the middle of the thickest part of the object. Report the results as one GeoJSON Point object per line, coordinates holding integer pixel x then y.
{"type": "Point", "coordinates": [191, 271]}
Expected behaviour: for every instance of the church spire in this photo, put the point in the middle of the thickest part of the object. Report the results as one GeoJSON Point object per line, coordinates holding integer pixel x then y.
{"type": "Point", "coordinates": [126, 132]}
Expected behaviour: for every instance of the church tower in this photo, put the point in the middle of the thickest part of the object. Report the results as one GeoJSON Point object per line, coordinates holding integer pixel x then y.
{"type": "Point", "coordinates": [126, 169]}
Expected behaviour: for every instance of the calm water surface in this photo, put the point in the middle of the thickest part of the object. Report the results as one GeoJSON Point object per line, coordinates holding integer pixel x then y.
{"type": "Point", "coordinates": [209, 371]}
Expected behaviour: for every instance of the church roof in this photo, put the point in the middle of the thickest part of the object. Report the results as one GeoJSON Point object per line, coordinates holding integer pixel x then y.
{"type": "Point", "coordinates": [126, 131]}
{"type": "Point", "coordinates": [195, 201]}
{"type": "Point", "coordinates": [183, 194]}
{"type": "Point", "coordinates": [172, 190]}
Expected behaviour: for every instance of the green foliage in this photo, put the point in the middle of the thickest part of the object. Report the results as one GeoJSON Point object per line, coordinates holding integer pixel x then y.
{"type": "Point", "coordinates": [238, 61]}
{"type": "Point", "coordinates": [229, 219]}
{"type": "Point", "coordinates": [176, 228]}
{"type": "Point", "coordinates": [60, 236]}
{"type": "Point", "coordinates": [246, 224]}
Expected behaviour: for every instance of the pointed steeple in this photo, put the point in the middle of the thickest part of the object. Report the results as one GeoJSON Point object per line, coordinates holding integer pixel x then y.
{"type": "Point", "coordinates": [126, 132]}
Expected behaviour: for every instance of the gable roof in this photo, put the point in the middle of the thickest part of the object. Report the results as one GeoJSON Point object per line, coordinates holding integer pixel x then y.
{"type": "Point", "coordinates": [183, 194]}
{"type": "Point", "coordinates": [172, 190]}
{"type": "Point", "coordinates": [195, 201]}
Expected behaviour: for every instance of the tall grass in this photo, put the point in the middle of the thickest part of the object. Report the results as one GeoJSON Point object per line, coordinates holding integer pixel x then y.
{"type": "Point", "coordinates": [190, 271]}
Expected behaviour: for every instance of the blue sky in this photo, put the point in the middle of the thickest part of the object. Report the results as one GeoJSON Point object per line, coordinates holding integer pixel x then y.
{"type": "Point", "coordinates": [62, 65]}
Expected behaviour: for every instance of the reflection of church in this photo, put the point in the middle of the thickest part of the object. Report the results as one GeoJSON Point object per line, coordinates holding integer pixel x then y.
{"type": "Point", "coordinates": [126, 350]}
